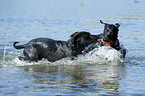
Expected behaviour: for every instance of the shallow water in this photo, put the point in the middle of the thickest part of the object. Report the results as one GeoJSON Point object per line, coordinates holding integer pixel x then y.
{"type": "Point", "coordinates": [101, 72]}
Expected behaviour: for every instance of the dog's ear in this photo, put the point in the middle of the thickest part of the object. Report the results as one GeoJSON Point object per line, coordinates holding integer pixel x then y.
{"type": "Point", "coordinates": [78, 38]}
{"type": "Point", "coordinates": [74, 34]}
{"type": "Point", "coordinates": [117, 25]}
{"type": "Point", "coordinates": [73, 38]}
{"type": "Point", "coordinates": [103, 22]}
{"type": "Point", "coordinates": [74, 44]}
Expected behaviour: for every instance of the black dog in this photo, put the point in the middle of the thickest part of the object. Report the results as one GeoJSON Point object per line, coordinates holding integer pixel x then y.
{"type": "Point", "coordinates": [108, 37]}
{"type": "Point", "coordinates": [53, 50]}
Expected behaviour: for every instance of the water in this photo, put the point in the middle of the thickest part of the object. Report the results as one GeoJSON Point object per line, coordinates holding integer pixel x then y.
{"type": "Point", "coordinates": [101, 72]}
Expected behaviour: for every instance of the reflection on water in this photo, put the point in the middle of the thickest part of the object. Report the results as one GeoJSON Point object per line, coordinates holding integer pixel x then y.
{"type": "Point", "coordinates": [68, 77]}
{"type": "Point", "coordinates": [77, 78]}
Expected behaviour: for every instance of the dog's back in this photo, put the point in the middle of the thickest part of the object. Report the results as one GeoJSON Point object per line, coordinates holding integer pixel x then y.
{"type": "Point", "coordinates": [53, 50]}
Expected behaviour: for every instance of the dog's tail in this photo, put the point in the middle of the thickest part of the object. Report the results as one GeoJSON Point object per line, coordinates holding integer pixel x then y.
{"type": "Point", "coordinates": [19, 46]}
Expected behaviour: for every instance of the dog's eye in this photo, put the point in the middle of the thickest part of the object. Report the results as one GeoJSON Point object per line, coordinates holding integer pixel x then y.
{"type": "Point", "coordinates": [107, 30]}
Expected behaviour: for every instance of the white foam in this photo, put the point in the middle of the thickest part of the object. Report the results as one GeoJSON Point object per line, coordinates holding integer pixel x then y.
{"type": "Point", "coordinates": [102, 55]}
{"type": "Point", "coordinates": [18, 62]}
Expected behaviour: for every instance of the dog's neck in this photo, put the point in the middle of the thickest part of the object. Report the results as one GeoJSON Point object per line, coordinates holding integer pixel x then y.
{"type": "Point", "coordinates": [106, 42]}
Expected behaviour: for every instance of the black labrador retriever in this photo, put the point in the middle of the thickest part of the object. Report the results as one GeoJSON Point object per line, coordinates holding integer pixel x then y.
{"type": "Point", "coordinates": [109, 37]}
{"type": "Point", "coordinates": [53, 50]}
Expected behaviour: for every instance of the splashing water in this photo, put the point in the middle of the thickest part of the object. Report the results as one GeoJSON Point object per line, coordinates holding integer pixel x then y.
{"type": "Point", "coordinates": [101, 55]}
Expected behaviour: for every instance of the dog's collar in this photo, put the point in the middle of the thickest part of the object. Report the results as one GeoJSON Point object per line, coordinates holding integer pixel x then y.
{"type": "Point", "coordinates": [107, 43]}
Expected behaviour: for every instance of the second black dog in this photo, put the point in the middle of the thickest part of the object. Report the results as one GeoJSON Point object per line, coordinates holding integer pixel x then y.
{"type": "Point", "coordinates": [109, 37]}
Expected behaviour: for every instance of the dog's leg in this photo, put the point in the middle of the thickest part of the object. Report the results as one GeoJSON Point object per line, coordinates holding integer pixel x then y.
{"type": "Point", "coordinates": [30, 54]}
{"type": "Point", "coordinates": [24, 59]}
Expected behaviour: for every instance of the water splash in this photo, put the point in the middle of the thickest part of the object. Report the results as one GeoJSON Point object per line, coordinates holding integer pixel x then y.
{"type": "Point", "coordinates": [5, 48]}
{"type": "Point", "coordinates": [101, 55]}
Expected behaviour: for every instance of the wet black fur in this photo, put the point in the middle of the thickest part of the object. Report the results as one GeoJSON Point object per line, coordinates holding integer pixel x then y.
{"type": "Point", "coordinates": [53, 50]}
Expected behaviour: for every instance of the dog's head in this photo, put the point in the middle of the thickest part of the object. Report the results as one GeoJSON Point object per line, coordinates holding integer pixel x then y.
{"type": "Point", "coordinates": [110, 31]}
{"type": "Point", "coordinates": [79, 40]}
